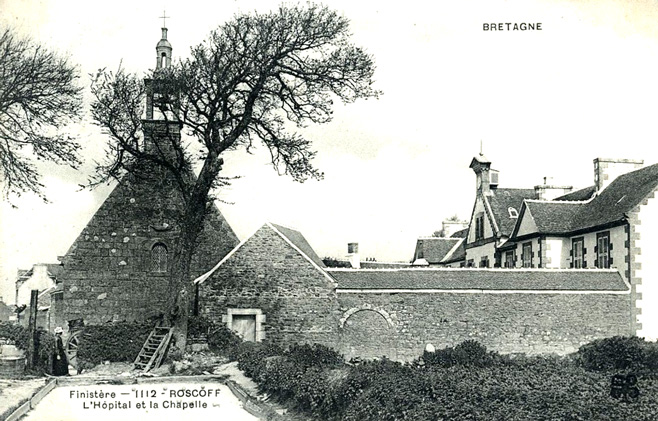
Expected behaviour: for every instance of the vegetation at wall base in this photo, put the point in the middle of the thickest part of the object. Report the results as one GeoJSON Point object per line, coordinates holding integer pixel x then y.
{"type": "Point", "coordinates": [115, 342]}
{"type": "Point", "coordinates": [464, 382]}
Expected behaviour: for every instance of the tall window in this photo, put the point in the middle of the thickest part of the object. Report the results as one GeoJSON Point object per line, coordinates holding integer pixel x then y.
{"type": "Point", "coordinates": [603, 247]}
{"type": "Point", "coordinates": [509, 259]}
{"type": "Point", "coordinates": [578, 253]}
{"type": "Point", "coordinates": [526, 255]}
{"type": "Point", "coordinates": [159, 258]}
{"type": "Point", "coordinates": [479, 226]}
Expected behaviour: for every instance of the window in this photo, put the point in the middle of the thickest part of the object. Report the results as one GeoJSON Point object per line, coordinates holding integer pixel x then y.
{"type": "Point", "coordinates": [484, 262]}
{"type": "Point", "coordinates": [479, 226]}
{"type": "Point", "coordinates": [578, 253]}
{"type": "Point", "coordinates": [603, 247]}
{"type": "Point", "coordinates": [509, 259]}
{"type": "Point", "coordinates": [526, 255]}
{"type": "Point", "coordinates": [513, 213]}
{"type": "Point", "coordinates": [159, 258]}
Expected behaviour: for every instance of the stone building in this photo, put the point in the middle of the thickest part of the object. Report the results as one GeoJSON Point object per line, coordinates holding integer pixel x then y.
{"type": "Point", "coordinates": [273, 287]}
{"type": "Point", "coordinates": [118, 267]}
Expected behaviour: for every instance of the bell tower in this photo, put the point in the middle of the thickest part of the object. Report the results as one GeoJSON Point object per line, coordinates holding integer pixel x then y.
{"type": "Point", "coordinates": [163, 49]}
{"type": "Point", "coordinates": [161, 124]}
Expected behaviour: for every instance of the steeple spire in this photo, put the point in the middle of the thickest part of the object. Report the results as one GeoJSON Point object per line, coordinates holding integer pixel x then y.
{"type": "Point", "coordinates": [163, 49]}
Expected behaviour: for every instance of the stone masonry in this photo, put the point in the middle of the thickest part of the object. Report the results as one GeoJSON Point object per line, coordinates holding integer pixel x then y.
{"type": "Point", "coordinates": [266, 273]}
{"type": "Point", "coordinates": [109, 271]}
{"type": "Point", "coordinates": [508, 323]}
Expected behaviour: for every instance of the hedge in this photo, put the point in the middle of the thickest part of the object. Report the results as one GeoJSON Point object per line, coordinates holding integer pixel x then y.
{"type": "Point", "coordinates": [464, 382]}
{"type": "Point", "coordinates": [116, 342]}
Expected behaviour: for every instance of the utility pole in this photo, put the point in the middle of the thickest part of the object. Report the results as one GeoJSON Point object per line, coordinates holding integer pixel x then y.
{"type": "Point", "coordinates": [32, 330]}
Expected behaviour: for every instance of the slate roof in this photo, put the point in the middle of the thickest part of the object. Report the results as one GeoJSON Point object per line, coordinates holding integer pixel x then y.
{"type": "Point", "coordinates": [458, 254]}
{"type": "Point", "coordinates": [462, 233]}
{"type": "Point", "coordinates": [553, 216]}
{"type": "Point", "coordinates": [482, 279]}
{"type": "Point", "coordinates": [434, 249]}
{"type": "Point", "coordinates": [621, 196]}
{"type": "Point", "coordinates": [610, 206]}
{"type": "Point", "coordinates": [300, 242]}
{"type": "Point", "coordinates": [295, 237]}
{"type": "Point", "coordinates": [579, 195]}
{"type": "Point", "coordinates": [501, 201]}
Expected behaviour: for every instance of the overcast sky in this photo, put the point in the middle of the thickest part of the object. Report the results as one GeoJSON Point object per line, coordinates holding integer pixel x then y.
{"type": "Point", "coordinates": [543, 103]}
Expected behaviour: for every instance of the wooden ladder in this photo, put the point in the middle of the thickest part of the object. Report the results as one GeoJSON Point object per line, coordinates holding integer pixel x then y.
{"type": "Point", "coordinates": [154, 349]}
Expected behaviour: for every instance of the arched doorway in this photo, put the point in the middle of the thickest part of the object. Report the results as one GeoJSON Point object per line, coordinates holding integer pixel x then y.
{"type": "Point", "coordinates": [368, 333]}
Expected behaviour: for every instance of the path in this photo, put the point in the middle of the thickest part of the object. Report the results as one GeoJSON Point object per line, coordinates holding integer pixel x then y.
{"type": "Point", "coordinates": [177, 401]}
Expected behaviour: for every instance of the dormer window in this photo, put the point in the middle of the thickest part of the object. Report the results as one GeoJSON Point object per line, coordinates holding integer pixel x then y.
{"type": "Point", "coordinates": [513, 213]}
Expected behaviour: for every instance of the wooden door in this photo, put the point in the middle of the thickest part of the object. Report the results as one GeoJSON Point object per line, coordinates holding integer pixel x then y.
{"type": "Point", "coordinates": [245, 326]}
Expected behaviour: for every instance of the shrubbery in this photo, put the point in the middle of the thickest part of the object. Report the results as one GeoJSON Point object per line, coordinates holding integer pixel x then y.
{"type": "Point", "coordinates": [119, 341]}
{"type": "Point", "coordinates": [619, 353]}
{"type": "Point", "coordinates": [464, 382]}
{"type": "Point", "coordinates": [468, 353]}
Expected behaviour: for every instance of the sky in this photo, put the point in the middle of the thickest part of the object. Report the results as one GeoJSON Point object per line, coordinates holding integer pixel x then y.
{"type": "Point", "coordinates": [539, 104]}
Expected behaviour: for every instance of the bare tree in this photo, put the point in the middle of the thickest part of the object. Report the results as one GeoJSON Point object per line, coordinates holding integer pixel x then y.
{"type": "Point", "coordinates": [38, 96]}
{"type": "Point", "coordinates": [252, 81]}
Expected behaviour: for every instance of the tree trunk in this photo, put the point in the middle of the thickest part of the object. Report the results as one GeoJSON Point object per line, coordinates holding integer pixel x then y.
{"type": "Point", "coordinates": [181, 287]}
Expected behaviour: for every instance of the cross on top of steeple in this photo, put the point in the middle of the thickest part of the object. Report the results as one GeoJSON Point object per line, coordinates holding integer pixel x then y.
{"type": "Point", "coordinates": [164, 18]}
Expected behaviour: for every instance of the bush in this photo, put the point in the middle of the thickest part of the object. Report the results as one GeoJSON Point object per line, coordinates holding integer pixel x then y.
{"type": "Point", "coordinates": [315, 355]}
{"type": "Point", "coordinates": [251, 356]}
{"type": "Point", "coordinates": [469, 353]}
{"type": "Point", "coordinates": [198, 326]}
{"type": "Point", "coordinates": [117, 342]}
{"type": "Point", "coordinates": [222, 339]}
{"type": "Point", "coordinates": [15, 332]}
{"type": "Point", "coordinates": [619, 353]}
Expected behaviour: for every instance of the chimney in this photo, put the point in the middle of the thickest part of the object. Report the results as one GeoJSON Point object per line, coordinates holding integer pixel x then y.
{"type": "Point", "coordinates": [548, 191]}
{"type": "Point", "coordinates": [607, 169]}
{"type": "Point", "coordinates": [353, 255]}
{"type": "Point", "coordinates": [482, 168]}
{"type": "Point", "coordinates": [450, 227]}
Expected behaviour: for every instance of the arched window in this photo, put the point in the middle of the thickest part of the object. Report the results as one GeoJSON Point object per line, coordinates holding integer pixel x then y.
{"type": "Point", "coordinates": [513, 213]}
{"type": "Point", "coordinates": [159, 258]}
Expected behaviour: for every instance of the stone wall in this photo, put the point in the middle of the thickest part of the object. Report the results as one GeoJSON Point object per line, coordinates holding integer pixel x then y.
{"type": "Point", "coordinates": [109, 274]}
{"type": "Point", "coordinates": [297, 301]}
{"type": "Point", "coordinates": [401, 324]}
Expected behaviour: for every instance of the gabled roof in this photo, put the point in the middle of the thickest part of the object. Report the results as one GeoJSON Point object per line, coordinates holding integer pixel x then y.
{"type": "Point", "coordinates": [610, 206]}
{"type": "Point", "coordinates": [300, 242]}
{"type": "Point", "coordinates": [293, 237]}
{"type": "Point", "coordinates": [434, 249]}
{"type": "Point", "coordinates": [521, 280]}
{"type": "Point", "coordinates": [620, 197]}
{"type": "Point", "coordinates": [552, 217]}
{"type": "Point", "coordinates": [501, 200]}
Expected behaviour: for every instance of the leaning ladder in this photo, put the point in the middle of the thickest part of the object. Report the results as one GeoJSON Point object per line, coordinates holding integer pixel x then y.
{"type": "Point", "coordinates": [154, 349]}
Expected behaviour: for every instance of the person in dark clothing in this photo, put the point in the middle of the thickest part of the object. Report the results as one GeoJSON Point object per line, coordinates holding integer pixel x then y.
{"type": "Point", "coordinates": [60, 362]}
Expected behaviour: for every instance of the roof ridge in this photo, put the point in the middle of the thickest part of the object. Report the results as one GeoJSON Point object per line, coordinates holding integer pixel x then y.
{"type": "Point", "coordinates": [573, 202]}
